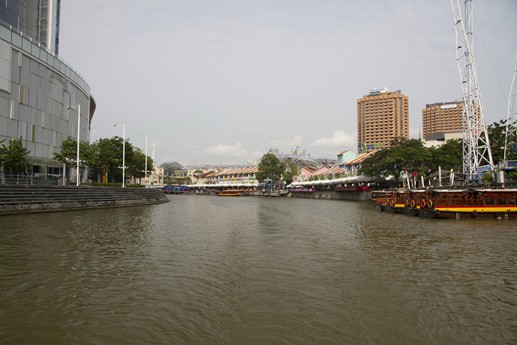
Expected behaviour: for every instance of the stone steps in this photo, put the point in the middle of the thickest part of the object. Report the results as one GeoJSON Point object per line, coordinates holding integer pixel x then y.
{"type": "Point", "coordinates": [22, 199]}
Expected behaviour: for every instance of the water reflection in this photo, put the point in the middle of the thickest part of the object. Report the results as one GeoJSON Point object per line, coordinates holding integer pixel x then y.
{"type": "Point", "coordinates": [215, 270]}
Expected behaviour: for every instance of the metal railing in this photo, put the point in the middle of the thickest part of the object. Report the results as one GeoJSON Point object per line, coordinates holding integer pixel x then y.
{"type": "Point", "coordinates": [30, 179]}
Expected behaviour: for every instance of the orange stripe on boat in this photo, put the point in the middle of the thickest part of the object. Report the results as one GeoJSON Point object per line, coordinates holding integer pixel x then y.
{"type": "Point", "coordinates": [477, 209]}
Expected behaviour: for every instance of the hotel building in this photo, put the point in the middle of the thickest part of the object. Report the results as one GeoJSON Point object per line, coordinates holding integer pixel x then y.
{"type": "Point", "coordinates": [440, 118]}
{"type": "Point", "coordinates": [40, 94]}
{"type": "Point", "coordinates": [382, 116]}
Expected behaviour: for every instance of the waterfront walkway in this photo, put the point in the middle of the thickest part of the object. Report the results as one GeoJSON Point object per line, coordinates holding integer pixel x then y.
{"type": "Point", "coordinates": [24, 199]}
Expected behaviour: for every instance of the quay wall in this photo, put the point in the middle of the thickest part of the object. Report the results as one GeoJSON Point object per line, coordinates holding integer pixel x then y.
{"type": "Point", "coordinates": [333, 195]}
{"type": "Point", "coordinates": [30, 199]}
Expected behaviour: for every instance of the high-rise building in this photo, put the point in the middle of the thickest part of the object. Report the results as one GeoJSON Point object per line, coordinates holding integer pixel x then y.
{"type": "Point", "coordinates": [440, 118]}
{"type": "Point", "coordinates": [40, 94]}
{"type": "Point", "coordinates": [382, 116]}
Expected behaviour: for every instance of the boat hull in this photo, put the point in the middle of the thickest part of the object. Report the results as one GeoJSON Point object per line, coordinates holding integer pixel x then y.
{"type": "Point", "coordinates": [231, 194]}
{"type": "Point", "coordinates": [411, 211]}
{"type": "Point", "coordinates": [469, 213]}
{"type": "Point", "coordinates": [397, 208]}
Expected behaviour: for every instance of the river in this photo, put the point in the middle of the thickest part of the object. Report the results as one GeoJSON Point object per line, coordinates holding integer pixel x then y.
{"type": "Point", "coordinates": [213, 270]}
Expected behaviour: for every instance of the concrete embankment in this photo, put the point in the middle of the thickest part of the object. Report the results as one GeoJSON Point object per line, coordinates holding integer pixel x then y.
{"type": "Point", "coordinates": [26, 199]}
{"type": "Point", "coordinates": [333, 195]}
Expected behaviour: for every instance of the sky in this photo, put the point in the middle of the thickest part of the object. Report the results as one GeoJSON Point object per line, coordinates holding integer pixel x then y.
{"type": "Point", "coordinates": [222, 82]}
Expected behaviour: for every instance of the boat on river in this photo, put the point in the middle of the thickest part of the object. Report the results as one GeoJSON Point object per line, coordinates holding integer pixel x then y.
{"type": "Point", "coordinates": [450, 203]}
{"type": "Point", "coordinates": [471, 203]}
{"type": "Point", "coordinates": [413, 201]}
{"type": "Point", "coordinates": [379, 198]}
{"type": "Point", "coordinates": [391, 201]}
{"type": "Point", "coordinates": [233, 192]}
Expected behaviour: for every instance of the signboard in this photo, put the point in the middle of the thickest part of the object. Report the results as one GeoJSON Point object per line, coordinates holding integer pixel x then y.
{"type": "Point", "coordinates": [378, 90]}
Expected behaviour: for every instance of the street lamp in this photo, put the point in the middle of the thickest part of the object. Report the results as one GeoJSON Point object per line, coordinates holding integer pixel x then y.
{"type": "Point", "coordinates": [152, 171]}
{"type": "Point", "coordinates": [123, 152]}
{"type": "Point", "coordinates": [145, 172]}
{"type": "Point", "coordinates": [78, 140]}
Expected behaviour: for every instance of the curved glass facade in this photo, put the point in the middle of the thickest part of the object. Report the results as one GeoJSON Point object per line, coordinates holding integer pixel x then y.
{"type": "Point", "coordinates": [37, 89]}
{"type": "Point", "coordinates": [38, 19]}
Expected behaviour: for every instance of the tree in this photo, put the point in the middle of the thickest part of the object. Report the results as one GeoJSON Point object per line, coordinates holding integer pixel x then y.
{"type": "Point", "coordinates": [107, 157]}
{"type": "Point", "coordinates": [402, 155]}
{"type": "Point", "coordinates": [270, 168]}
{"type": "Point", "coordinates": [497, 136]}
{"type": "Point", "coordinates": [68, 153]}
{"type": "Point", "coordinates": [449, 155]}
{"type": "Point", "coordinates": [136, 163]}
{"type": "Point", "coordinates": [290, 172]}
{"type": "Point", "coordinates": [377, 164]}
{"type": "Point", "coordinates": [108, 160]}
{"type": "Point", "coordinates": [169, 168]}
{"type": "Point", "coordinates": [104, 157]}
{"type": "Point", "coordinates": [2, 153]}
{"type": "Point", "coordinates": [487, 179]}
{"type": "Point", "coordinates": [14, 157]}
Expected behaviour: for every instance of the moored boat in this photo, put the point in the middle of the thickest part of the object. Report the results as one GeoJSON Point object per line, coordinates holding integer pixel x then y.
{"type": "Point", "coordinates": [233, 192]}
{"type": "Point", "coordinates": [471, 204]}
{"type": "Point", "coordinates": [378, 197]}
{"type": "Point", "coordinates": [450, 203]}
{"type": "Point", "coordinates": [413, 201]}
{"type": "Point", "coordinates": [395, 202]}
{"type": "Point", "coordinates": [388, 200]}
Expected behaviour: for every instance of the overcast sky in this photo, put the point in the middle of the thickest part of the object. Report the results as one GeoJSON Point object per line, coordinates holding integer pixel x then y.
{"type": "Point", "coordinates": [222, 82]}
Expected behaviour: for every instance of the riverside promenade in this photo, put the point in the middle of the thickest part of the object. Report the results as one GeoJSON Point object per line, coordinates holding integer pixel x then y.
{"type": "Point", "coordinates": [15, 199]}
{"type": "Point", "coordinates": [334, 195]}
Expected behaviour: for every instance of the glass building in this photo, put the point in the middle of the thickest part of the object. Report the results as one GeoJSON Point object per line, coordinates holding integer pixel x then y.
{"type": "Point", "coordinates": [39, 92]}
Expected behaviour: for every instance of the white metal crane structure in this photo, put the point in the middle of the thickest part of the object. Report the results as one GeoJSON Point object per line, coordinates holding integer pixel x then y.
{"type": "Point", "coordinates": [511, 115]}
{"type": "Point", "coordinates": [476, 143]}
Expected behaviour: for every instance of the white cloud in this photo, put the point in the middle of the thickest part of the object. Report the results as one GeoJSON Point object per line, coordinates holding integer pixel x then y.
{"type": "Point", "coordinates": [338, 139]}
{"type": "Point", "coordinates": [221, 150]}
{"type": "Point", "coordinates": [264, 70]}
{"type": "Point", "coordinates": [292, 142]}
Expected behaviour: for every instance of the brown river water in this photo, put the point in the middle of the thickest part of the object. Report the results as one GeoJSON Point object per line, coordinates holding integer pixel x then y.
{"type": "Point", "coordinates": [213, 270]}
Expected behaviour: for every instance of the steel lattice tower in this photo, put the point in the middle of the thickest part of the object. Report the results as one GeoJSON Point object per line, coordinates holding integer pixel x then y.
{"type": "Point", "coordinates": [511, 116]}
{"type": "Point", "coordinates": [476, 143]}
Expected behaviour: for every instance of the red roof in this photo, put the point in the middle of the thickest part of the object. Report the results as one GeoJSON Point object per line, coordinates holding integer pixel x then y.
{"type": "Point", "coordinates": [238, 171]}
{"type": "Point", "coordinates": [359, 159]}
{"type": "Point", "coordinates": [327, 171]}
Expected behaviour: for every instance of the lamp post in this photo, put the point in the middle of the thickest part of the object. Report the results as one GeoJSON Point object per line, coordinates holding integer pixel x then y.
{"type": "Point", "coordinates": [145, 172]}
{"type": "Point", "coordinates": [152, 172]}
{"type": "Point", "coordinates": [123, 152]}
{"type": "Point", "coordinates": [78, 141]}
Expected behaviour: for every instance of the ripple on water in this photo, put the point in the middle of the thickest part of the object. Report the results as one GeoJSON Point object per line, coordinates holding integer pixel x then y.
{"type": "Point", "coordinates": [255, 270]}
